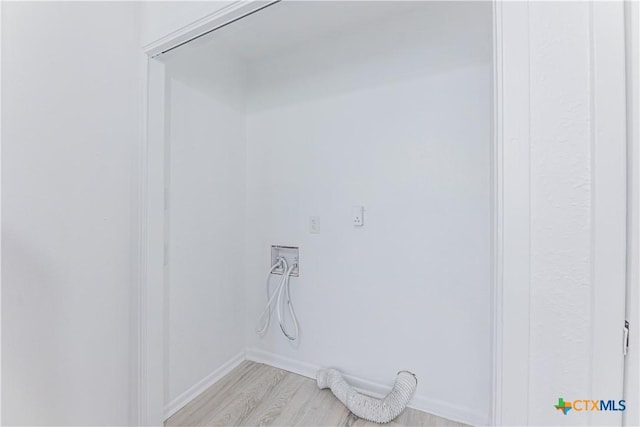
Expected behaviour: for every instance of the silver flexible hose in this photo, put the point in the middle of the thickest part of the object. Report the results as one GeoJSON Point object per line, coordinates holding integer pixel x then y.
{"type": "Point", "coordinates": [367, 407]}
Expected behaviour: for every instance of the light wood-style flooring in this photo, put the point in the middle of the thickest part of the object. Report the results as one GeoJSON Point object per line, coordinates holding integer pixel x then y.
{"type": "Point", "coordinates": [254, 394]}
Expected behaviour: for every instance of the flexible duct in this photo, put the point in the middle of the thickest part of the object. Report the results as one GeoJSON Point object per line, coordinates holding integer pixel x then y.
{"type": "Point", "coordinates": [367, 407]}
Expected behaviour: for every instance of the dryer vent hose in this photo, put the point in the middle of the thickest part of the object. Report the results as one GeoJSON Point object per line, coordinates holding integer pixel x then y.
{"type": "Point", "coordinates": [367, 407]}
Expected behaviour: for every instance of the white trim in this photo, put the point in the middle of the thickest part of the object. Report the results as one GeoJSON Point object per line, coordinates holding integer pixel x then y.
{"type": "Point", "coordinates": [216, 19]}
{"type": "Point", "coordinates": [431, 406]}
{"type": "Point", "coordinates": [632, 361]}
{"type": "Point", "coordinates": [496, 231]}
{"type": "Point", "coordinates": [138, 295]}
{"type": "Point", "coordinates": [1, 5]}
{"type": "Point", "coordinates": [608, 201]}
{"type": "Point", "coordinates": [513, 216]}
{"type": "Point", "coordinates": [198, 388]}
{"type": "Point", "coordinates": [152, 240]}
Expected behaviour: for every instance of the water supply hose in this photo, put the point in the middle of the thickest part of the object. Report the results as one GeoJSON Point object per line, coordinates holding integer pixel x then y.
{"type": "Point", "coordinates": [265, 317]}
{"type": "Point", "coordinates": [284, 292]}
{"type": "Point", "coordinates": [281, 295]}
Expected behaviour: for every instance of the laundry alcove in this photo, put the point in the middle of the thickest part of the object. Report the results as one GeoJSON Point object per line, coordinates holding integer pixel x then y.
{"type": "Point", "coordinates": [301, 111]}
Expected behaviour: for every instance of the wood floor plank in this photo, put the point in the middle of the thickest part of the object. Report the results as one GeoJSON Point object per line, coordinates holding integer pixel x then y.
{"type": "Point", "coordinates": [324, 410]}
{"type": "Point", "coordinates": [299, 405]}
{"type": "Point", "coordinates": [271, 409]}
{"type": "Point", "coordinates": [254, 394]}
{"type": "Point", "coordinates": [246, 399]}
{"type": "Point", "coordinates": [216, 396]}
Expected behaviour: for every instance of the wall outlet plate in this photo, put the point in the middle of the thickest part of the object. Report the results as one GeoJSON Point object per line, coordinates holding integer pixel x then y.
{"type": "Point", "coordinates": [358, 216]}
{"type": "Point", "coordinates": [290, 253]}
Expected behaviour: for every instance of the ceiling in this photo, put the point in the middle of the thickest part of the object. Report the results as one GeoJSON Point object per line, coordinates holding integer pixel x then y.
{"type": "Point", "coordinates": [287, 24]}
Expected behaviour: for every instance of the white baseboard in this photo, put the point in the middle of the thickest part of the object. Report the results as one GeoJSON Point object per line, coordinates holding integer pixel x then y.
{"type": "Point", "coordinates": [422, 403]}
{"type": "Point", "coordinates": [179, 402]}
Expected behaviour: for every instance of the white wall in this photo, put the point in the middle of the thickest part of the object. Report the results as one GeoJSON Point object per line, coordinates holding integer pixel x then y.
{"type": "Point", "coordinates": [206, 221]}
{"type": "Point", "coordinates": [396, 118]}
{"type": "Point", "coordinates": [70, 131]}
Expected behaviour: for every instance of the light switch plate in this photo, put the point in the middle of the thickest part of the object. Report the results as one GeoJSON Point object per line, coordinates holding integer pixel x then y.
{"type": "Point", "coordinates": [314, 225]}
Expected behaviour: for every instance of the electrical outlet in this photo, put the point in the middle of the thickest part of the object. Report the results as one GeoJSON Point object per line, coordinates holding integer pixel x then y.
{"type": "Point", "coordinates": [358, 216]}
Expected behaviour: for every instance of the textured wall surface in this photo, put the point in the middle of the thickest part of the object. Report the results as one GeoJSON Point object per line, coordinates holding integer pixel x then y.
{"type": "Point", "coordinates": [560, 207]}
{"type": "Point", "coordinates": [397, 119]}
{"type": "Point", "coordinates": [577, 208]}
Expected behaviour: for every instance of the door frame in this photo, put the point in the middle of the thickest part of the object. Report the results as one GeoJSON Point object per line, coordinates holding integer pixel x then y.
{"type": "Point", "coordinates": [511, 227]}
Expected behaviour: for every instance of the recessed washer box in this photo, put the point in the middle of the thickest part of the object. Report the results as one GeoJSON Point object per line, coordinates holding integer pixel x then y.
{"type": "Point", "coordinates": [290, 253]}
